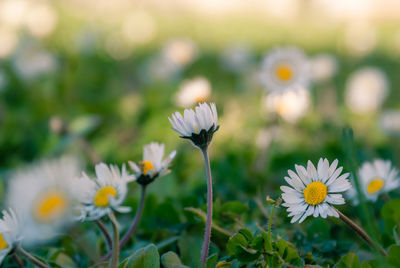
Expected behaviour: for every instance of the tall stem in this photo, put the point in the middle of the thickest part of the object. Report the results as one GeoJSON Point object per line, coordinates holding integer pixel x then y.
{"type": "Point", "coordinates": [134, 224]}
{"type": "Point", "coordinates": [106, 234]}
{"type": "Point", "coordinates": [31, 258]}
{"type": "Point", "coordinates": [207, 233]}
{"type": "Point", "coordinates": [115, 249]}
{"type": "Point", "coordinates": [361, 232]}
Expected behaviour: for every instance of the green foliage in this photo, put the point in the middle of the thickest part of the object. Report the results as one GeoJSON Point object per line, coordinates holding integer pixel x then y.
{"type": "Point", "coordinates": [144, 257]}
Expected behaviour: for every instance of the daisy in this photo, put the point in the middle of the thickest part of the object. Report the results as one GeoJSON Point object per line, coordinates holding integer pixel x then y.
{"type": "Point", "coordinates": [284, 69]}
{"type": "Point", "coordinates": [9, 233]}
{"type": "Point", "coordinates": [290, 105]}
{"type": "Point", "coordinates": [180, 51]}
{"type": "Point", "coordinates": [43, 195]}
{"type": "Point", "coordinates": [323, 67]}
{"type": "Point", "coordinates": [376, 178]}
{"type": "Point", "coordinates": [198, 125]}
{"type": "Point", "coordinates": [99, 196]}
{"type": "Point", "coordinates": [366, 90]}
{"type": "Point", "coordinates": [152, 166]}
{"type": "Point", "coordinates": [193, 91]}
{"type": "Point", "coordinates": [314, 190]}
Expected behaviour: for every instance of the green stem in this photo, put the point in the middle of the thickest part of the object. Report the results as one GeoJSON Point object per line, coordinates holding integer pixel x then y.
{"type": "Point", "coordinates": [115, 249]}
{"type": "Point", "coordinates": [349, 147]}
{"type": "Point", "coordinates": [106, 234]}
{"type": "Point", "coordinates": [361, 232]}
{"type": "Point", "coordinates": [270, 227]}
{"type": "Point", "coordinates": [207, 232]}
{"type": "Point", "coordinates": [31, 258]}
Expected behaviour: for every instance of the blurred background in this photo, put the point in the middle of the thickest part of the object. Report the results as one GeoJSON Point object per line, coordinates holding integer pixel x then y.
{"type": "Point", "coordinates": [101, 77]}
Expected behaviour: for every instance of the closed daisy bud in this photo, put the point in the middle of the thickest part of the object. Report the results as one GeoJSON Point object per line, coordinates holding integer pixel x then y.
{"type": "Point", "coordinates": [376, 178]}
{"type": "Point", "coordinates": [104, 193]}
{"type": "Point", "coordinates": [313, 190]}
{"type": "Point", "coordinates": [10, 233]}
{"type": "Point", "coordinates": [197, 125]}
{"type": "Point", "coordinates": [44, 196]}
{"type": "Point", "coordinates": [153, 165]}
{"type": "Point", "coordinates": [285, 69]}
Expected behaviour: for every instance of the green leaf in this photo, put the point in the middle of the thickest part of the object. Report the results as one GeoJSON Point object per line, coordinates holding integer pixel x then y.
{"type": "Point", "coordinates": [394, 255]}
{"type": "Point", "coordinates": [391, 214]}
{"type": "Point", "coordinates": [211, 260]}
{"type": "Point", "coordinates": [247, 234]}
{"type": "Point", "coordinates": [349, 261]}
{"type": "Point", "coordinates": [144, 257]}
{"type": "Point", "coordinates": [234, 243]}
{"type": "Point", "coordinates": [234, 207]}
{"type": "Point", "coordinates": [171, 260]}
{"type": "Point", "coordinates": [190, 249]}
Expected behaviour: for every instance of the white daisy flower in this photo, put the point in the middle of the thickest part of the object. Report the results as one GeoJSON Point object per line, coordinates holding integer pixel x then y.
{"type": "Point", "coordinates": [314, 190]}
{"type": "Point", "coordinates": [44, 196]}
{"type": "Point", "coordinates": [290, 105]}
{"type": "Point", "coordinates": [198, 125]}
{"type": "Point", "coordinates": [103, 194]}
{"type": "Point", "coordinates": [152, 166]}
{"type": "Point", "coordinates": [180, 51]}
{"type": "Point", "coordinates": [9, 233]}
{"type": "Point", "coordinates": [193, 91]}
{"type": "Point", "coordinates": [366, 90]}
{"type": "Point", "coordinates": [284, 69]}
{"type": "Point", "coordinates": [323, 67]}
{"type": "Point", "coordinates": [376, 178]}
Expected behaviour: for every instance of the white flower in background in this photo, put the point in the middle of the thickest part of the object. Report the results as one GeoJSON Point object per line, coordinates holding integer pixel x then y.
{"type": "Point", "coordinates": [390, 122]}
{"type": "Point", "coordinates": [284, 69]}
{"type": "Point", "coordinates": [153, 165]}
{"type": "Point", "coordinates": [31, 62]}
{"type": "Point", "coordinates": [313, 190]}
{"type": "Point", "coordinates": [366, 90]}
{"type": "Point", "coordinates": [323, 67]}
{"type": "Point", "coordinates": [13, 12]}
{"type": "Point", "coordinates": [290, 105]}
{"type": "Point", "coordinates": [236, 58]}
{"type": "Point", "coordinates": [9, 41]}
{"type": "Point", "coordinates": [139, 27]}
{"type": "Point", "coordinates": [9, 233]}
{"type": "Point", "coordinates": [360, 37]}
{"type": "Point", "coordinates": [197, 125]}
{"type": "Point", "coordinates": [160, 69]}
{"type": "Point", "coordinates": [376, 178]}
{"type": "Point", "coordinates": [180, 51]}
{"type": "Point", "coordinates": [41, 20]}
{"type": "Point", "coordinates": [193, 91]}
{"type": "Point", "coordinates": [104, 193]}
{"type": "Point", "coordinates": [43, 196]}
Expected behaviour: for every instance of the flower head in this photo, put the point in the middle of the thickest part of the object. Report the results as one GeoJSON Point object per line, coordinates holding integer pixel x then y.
{"type": "Point", "coordinates": [43, 195]}
{"type": "Point", "coordinates": [314, 190]}
{"type": "Point", "coordinates": [193, 91]}
{"type": "Point", "coordinates": [323, 67]}
{"type": "Point", "coordinates": [198, 125]}
{"type": "Point", "coordinates": [153, 165]}
{"type": "Point", "coordinates": [376, 178]}
{"type": "Point", "coordinates": [366, 90]}
{"type": "Point", "coordinates": [9, 233]}
{"type": "Point", "coordinates": [284, 69]}
{"type": "Point", "coordinates": [104, 193]}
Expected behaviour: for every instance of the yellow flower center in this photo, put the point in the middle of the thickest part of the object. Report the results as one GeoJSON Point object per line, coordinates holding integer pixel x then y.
{"type": "Point", "coordinates": [195, 128]}
{"type": "Point", "coordinates": [3, 243]}
{"type": "Point", "coordinates": [101, 197]}
{"type": "Point", "coordinates": [50, 206]}
{"type": "Point", "coordinates": [284, 72]}
{"type": "Point", "coordinates": [200, 99]}
{"type": "Point", "coordinates": [375, 186]}
{"type": "Point", "coordinates": [315, 193]}
{"type": "Point", "coordinates": [146, 166]}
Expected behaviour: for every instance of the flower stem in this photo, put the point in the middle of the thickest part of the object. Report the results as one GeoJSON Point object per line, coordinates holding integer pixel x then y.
{"type": "Point", "coordinates": [361, 232]}
{"type": "Point", "coordinates": [18, 260]}
{"type": "Point", "coordinates": [270, 226]}
{"type": "Point", "coordinates": [115, 249]}
{"type": "Point", "coordinates": [31, 258]}
{"type": "Point", "coordinates": [106, 234]}
{"type": "Point", "coordinates": [207, 233]}
{"type": "Point", "coordinates": [133, 226]}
